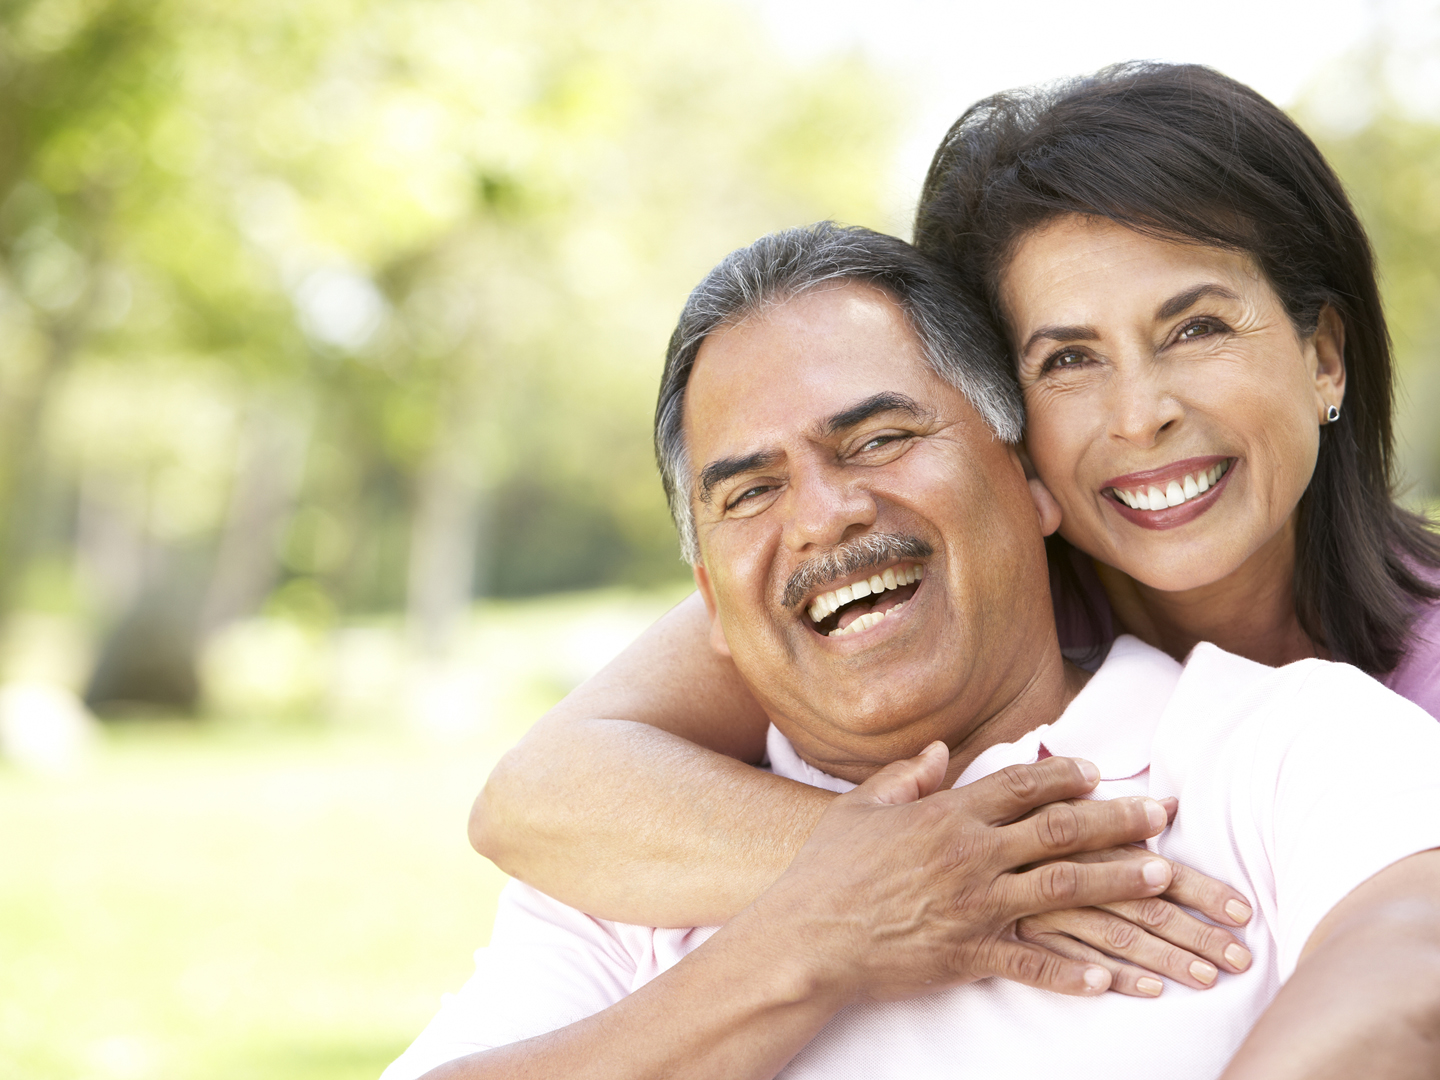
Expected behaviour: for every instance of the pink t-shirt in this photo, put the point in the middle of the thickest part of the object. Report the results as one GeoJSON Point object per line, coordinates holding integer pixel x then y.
{"type": "Point", "coordinates": [1278, 797]}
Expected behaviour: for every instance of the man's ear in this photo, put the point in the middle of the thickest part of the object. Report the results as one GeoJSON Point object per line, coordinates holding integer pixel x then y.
{"type": "Point", "coordinates": [707, 593]}
{"type": "Point", "coordinates": [1045, 506]}
{"type": "Point", "coordinates": [1329, 346]}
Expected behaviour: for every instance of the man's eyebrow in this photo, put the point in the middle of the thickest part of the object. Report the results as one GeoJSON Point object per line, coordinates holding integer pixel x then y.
{"type": "Point", "coordinates": [717, 472]}
{"type": "Point", "coordinates": [883, 402]}
{"type": "Point", "coordinates": [1186, 300]}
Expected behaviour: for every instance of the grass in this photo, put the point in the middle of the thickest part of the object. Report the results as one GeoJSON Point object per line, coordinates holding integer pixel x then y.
{"type": "Point", "coordinates": [222, 900]}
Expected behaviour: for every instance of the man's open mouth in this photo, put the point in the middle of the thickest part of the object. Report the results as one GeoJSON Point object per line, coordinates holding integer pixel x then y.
{"type": "Point", "coordinates": [864, 601]}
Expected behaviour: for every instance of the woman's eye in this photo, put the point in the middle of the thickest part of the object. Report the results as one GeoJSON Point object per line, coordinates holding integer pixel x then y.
{"type": "Point", "coordinates": [1203, 328]}
{"type": "Point", "coordinates": [1061, 360]}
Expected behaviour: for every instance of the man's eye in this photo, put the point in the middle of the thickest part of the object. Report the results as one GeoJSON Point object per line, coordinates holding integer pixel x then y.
{"type": "Point", "coordinates": [879, 441]}
{"type": "Point", "coordinates": [748, 493]}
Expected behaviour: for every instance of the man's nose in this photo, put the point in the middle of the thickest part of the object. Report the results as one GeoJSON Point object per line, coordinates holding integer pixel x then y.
{"type": "Point", "coordinates": [1141, 406]}
{"type": "Point", "coordinates": [827, 504]}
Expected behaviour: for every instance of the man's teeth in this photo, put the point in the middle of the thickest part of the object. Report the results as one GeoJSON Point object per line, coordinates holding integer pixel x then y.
{"type": "Point", "coordinates": [869, 619]}
{"type": "Point", "coordinates": [1175, 493]}
{"type": "Point", "coordinates": [892, 577]}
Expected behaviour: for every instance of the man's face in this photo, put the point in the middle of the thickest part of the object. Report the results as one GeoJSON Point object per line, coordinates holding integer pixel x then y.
{"type": "Point", "coordinates": [816, 431]}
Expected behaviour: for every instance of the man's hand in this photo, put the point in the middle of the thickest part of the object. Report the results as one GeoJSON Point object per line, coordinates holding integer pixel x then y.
{"type": "Point", "coordinates": [904, 890]}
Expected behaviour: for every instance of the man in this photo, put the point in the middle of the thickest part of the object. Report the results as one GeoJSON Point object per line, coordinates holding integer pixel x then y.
{"type": "Point", "coordinates": [840, 461]}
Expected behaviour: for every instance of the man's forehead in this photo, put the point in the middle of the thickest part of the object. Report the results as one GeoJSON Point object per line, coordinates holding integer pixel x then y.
{"type": "Point", "coordinates": [799, 365]}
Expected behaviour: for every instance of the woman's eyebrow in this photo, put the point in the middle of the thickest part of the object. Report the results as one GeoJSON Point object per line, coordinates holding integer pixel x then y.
{"type": "Point", "coordinates": [1186, 300]}
{"type": "Point", "coordinates": [1060, 333]}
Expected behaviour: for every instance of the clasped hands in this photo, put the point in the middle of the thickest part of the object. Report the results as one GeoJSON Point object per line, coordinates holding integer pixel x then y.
{"type": "Point", "coordinates": [903, 889]}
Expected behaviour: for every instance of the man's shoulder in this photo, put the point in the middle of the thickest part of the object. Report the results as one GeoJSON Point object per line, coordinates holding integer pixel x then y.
{"type": "Point", "coordinates": [1223, 702]}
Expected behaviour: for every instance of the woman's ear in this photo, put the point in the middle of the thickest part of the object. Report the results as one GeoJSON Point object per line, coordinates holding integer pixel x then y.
{"type": "Point", "coordinates": [1329, 346]}
{"type": "Point", "coordinates": [707, 593]}
{"type": "Point", "coordinates": [1046, 507]}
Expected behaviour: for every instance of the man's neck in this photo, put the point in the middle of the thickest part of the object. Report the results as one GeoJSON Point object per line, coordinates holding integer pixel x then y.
{"type": "Point", "coordinates": [1041, 700]}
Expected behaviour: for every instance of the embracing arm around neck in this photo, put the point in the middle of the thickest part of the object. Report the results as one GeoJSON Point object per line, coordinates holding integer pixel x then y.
{"type": "Point", "coordinates": [632, 799]}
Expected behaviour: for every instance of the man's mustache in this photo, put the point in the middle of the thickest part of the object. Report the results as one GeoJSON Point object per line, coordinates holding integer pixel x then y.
{"type": "Point", "coordinates": [871, 549]}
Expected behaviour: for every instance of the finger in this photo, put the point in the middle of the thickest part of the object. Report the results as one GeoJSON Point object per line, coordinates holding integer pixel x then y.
{"type": "Point", "coordinates": [1024, 962]}
{"type": "Point", "coordinates": [1160, 921]}
{"type": "Point", "coordinates": [1188, 887]}
{"type": "Point", "coordinates": [1125, 940]}
{"type": "Point", "coordinates": [1069, 827]}
{"type": "Point", "coordinates": [1213, 899]}
{"type": "Point", "coordinates": [1172, 807]}
{"type": "Point", "coordinates": [1004, 796]}
{"type": "Point", "coordinates": [1124, 978]}
{"type": "Point", "coordinates": [1055, 886]}
{"type": "Point", "coordinates": [909, 780]}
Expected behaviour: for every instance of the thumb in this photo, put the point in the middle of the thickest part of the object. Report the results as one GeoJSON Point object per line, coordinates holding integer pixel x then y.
{"type": "Point", "coordinates": [908, 780]}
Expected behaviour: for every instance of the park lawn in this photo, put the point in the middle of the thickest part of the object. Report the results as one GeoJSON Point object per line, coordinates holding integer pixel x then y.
{"type": "Point", "coordinates": [212, 901]}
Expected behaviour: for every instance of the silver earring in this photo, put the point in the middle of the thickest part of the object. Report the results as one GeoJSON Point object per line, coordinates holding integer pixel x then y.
{"type": "Point", "coordinates": [1332, 414]}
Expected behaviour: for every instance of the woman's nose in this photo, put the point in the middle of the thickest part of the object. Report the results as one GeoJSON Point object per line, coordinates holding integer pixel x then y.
{"type": "Point", "coordinates": [826, 504]}
{"type": "Point", "coordinates": [1141, 407]}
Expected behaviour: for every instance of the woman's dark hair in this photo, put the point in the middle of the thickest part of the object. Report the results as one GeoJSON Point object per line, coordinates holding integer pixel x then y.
{"type": "Point", "coordinates": [1183, 153]}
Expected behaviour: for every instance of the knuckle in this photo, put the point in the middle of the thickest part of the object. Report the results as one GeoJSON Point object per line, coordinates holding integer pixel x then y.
{"type": "Point", "coordinates": [1059, 883]}
{"type": "Point", "coordinates": [1212, 940]}
{"type": "Point", "coordinates": [1121, 936]}
{"type": "Point", "coordinates": [1029, 966]}
{"type": "Point", "coordinates": [1153, 913]}
{"type": "Point", "coordinates": [1020, 782]}
{"type": "Point", "coordinates": [1059, 826]}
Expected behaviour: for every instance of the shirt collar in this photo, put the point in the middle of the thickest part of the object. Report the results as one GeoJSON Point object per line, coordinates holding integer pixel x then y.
{"type": "Point", "coordinates": [1111, 722]}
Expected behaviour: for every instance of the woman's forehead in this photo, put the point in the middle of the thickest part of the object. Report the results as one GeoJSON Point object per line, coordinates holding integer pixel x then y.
{"type": "Point", "coordinates": [1087, 267]}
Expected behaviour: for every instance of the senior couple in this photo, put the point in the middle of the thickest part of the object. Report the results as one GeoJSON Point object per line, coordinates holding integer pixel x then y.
{"type": "Point", "coordinates": [970, 855]}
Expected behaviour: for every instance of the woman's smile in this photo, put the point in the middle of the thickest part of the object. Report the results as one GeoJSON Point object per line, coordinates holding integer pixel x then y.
{"type": "Point", "coordinates": [1172, 495]}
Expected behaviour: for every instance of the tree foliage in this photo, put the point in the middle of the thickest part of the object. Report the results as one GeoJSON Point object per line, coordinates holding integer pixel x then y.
{"type": "Point", "coordinates": [357, 305]}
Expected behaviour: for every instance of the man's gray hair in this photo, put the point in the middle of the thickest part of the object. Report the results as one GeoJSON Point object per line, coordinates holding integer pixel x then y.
{"type": "Point", "coordinates": [960, 342]}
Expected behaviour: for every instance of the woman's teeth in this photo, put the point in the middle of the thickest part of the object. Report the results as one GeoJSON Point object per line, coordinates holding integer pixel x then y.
{"type": "Point", "coordinates": [1175, 492]}
{"type": "Point", "coordinates": [892, 577]}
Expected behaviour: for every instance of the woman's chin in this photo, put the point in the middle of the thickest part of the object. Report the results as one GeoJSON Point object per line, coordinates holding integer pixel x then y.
{"type": "Point", "coordinates": [1164, 567]}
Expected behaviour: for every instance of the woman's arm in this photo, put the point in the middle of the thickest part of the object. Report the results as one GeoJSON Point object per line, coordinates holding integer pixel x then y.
{"type": "Point", "coordinates": [631, 799]}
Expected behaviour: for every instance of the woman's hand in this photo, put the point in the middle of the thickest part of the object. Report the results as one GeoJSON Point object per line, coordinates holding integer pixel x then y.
{"type": "Point", "coordinates": [1138, 940]}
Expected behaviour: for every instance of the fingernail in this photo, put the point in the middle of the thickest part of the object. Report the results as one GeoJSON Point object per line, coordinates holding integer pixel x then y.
{"type": "Point", "coordinates": [1155, 872]}
{"type": "Point", "coordinates": [1089, 772]}
{"type": "Point", "coordinates": [1096, 978]}
{"type": "Point", "coordinates": [1150, 987]}
{"type": "Point", "coordinates": [1203, 972]}
{"type": "Point", "coordinates": [1238, 910]}
{"type": "Point", "coordinates": [1237, 956]}
{"type": "Point", "coordinates": [1155, 814]}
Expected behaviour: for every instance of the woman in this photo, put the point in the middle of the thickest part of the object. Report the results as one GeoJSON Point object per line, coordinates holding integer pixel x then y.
{"type": "Point", "coordinates": [1192, 306]}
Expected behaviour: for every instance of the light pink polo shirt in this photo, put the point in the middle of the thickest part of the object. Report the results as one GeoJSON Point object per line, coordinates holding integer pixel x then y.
{"type": "Point", "coordinates": [1295, 785]}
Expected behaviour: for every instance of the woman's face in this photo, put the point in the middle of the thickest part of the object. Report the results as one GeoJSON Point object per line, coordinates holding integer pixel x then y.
{"type": "Point", "coordinates": [1173, 411]}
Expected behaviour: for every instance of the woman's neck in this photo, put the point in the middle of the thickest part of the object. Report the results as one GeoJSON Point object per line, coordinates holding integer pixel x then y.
{"type": "Point", "coordinates": [1250, 612]}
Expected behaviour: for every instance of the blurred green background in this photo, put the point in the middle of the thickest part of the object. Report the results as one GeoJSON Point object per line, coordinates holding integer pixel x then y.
{"type": "Point", "coordinates": [330, 338]}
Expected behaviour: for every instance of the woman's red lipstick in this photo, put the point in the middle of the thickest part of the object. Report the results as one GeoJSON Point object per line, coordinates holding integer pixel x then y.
{"type": "Point", "coordinates": [1171, 516]}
